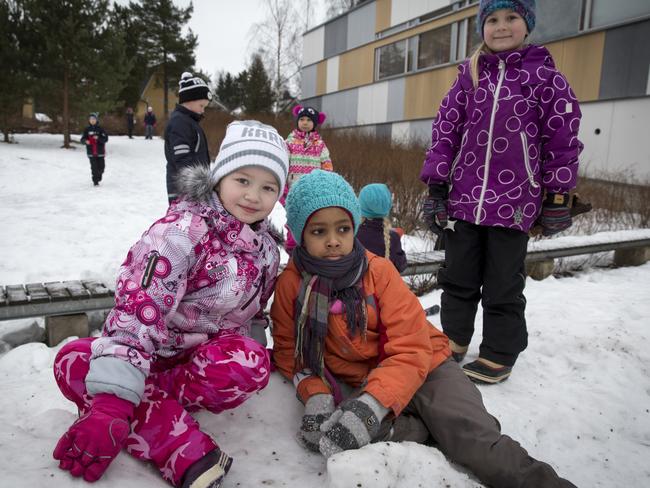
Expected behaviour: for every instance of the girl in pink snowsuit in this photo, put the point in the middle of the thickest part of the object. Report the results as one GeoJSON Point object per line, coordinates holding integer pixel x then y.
{"type": "Point", "coordinates": [187, 329]}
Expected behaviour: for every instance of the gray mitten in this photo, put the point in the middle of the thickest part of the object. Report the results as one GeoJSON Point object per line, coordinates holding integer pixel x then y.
{"type": "Point", "coordinates": [353, 425]}
{"type": "Point", "coordinates": [318, 409]}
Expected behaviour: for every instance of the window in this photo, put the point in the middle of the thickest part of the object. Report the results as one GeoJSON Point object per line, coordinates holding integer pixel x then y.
{"type": "Point", "coordinates": [473, 37]}
{"type": "Point", "coordinates": [604, 12]}
{"type": "Point", "coordinates": [391, 59]}
{"type": "Point", "coordinates": [434, 47]}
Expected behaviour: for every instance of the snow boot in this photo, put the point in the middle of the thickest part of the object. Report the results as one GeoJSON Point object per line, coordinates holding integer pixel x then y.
{"type": "Point", "coordinates": [485, 371]}
{"type": "Point", "coordinates": [457, 352]}
{"type": "Point", "coordinates": [209, 471]}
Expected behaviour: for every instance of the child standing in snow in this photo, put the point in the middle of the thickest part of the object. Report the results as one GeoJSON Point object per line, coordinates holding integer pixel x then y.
{"type": "Point", "coordinates": [504, 155]}
{"type": "Point", "coordinates": [375, 232]}
{"type": "Point", "coordinates": [95, 139]}
{"type": "Point", "coordinates": [189, 298]}
{"type": "Point", "coordinates": [307, 152]}
{"type": "Point", "coordinates": [366, 363]}
{"type": "Point", "coordinates": [149, 123]}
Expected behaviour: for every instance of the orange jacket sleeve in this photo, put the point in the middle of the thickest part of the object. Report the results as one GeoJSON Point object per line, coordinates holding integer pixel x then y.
{"type": "Point", "coordinates": [284, 340]}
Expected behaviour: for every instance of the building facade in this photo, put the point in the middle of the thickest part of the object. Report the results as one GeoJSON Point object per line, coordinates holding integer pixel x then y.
{"type": "Point", "coordinates": [385, 65]}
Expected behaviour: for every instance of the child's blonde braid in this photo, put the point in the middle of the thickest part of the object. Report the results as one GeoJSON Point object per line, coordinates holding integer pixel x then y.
{"type": "Point", "coordinates": [387, 228]}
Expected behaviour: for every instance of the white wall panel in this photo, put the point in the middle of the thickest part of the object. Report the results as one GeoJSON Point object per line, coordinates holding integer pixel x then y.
{"type": "Point", "coordinates": [403, 10]}
{"type": "Point", "coordinates": [313, 45]}
{"type": "Point", "coordinates": [401, 132]}
{"type": "Point", "coordinates": [373, 104]}
{"type": "Point", "coordinates": [332, 84]}
{"type": "Point", "coordinates": [623, 125]}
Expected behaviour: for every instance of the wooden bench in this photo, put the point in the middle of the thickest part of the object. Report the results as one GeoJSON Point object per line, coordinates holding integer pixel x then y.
{"type": "Point", "coordinates": [63, 304]}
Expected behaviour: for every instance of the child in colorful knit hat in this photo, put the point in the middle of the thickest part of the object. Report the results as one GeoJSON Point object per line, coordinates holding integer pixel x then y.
{"type": "Point", "coordinates": [366, 363]}
{"type": "Point", "coordinates": [307, 151]}
{"type": "Point", "coordinates": [503, 157]}
{"type": "Point", "coordinates": [376, 232]}
{"type": "Point", "coordinates": [187, 330]}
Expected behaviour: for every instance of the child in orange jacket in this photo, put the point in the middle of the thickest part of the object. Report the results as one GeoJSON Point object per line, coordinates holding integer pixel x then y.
{"type": "Point", "coordinates": [365, 361]}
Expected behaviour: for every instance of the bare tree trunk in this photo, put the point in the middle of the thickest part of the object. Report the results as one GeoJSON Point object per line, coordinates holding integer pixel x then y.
{"type": "Point", "coordinates": [165, 82]}
{"type": "Point", "coordinates": [66, 111]}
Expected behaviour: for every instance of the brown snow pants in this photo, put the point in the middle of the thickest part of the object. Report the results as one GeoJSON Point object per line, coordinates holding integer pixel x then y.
{"type": "Point", "coordinates": [451, 409]}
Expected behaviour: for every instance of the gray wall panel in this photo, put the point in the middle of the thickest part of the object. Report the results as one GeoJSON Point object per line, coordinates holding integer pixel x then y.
{"type": "Point", "coordinates": [308, 81]}
{"type": "Point", "coordinates": [625, 74]}
{"type": "Point", "coordinates": [315, 102]}
{"type": "Point", "coordinates": [396, 99]}
{"type": "Point", "coordinates": [555, 19]}
{"type": "Point", "coordinates": [341, 108]}
{"type": "Point", "coordinates": [336, 36]}
{"type": "Point", "coordinates": [421, 131]}
{"type": "Point", "coordinates": [361, 26]}
{"type": "Point", "coordinates": [383, 131]}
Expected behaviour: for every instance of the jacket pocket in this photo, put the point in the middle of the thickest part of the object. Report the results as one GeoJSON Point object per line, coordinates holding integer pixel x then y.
{"type": "Point", "coordinates": [529, 171]}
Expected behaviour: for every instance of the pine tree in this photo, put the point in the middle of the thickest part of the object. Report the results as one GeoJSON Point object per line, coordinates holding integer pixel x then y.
{"type": "Point", "coordinates": [79, 58]}
{"type": "Point", "coordinates": [227, 92]}
{"type": "Point", "coordinates": [258, 94]}
{"type": "Point", "coordinates": [162, 45]}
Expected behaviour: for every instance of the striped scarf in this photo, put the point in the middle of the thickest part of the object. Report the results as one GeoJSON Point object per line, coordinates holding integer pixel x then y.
{"type": "Point", "coordinates": [323, 282]}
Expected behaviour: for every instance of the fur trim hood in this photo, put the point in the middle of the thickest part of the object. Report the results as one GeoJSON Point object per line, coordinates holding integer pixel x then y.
{"type": "Point", "coordinates": [196, 183]}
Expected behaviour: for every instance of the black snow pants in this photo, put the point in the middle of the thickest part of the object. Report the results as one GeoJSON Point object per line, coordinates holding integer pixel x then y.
{"type": "Point", "coordinates": [487, 264]}
{"type": "Point", "coordinates": [97, 166]}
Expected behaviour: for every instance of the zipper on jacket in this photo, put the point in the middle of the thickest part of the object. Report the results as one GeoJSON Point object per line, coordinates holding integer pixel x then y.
{"type": "Point", "coordinates": [455, 163]}
{"type": "Point", "coordinates": [488, 154]}
{"type": "Point", "coordinates": [524, 145]}
{"type": "Point", "coordinates": [198, 142]}
{"type": "Point", "coordinates": [260, 287]}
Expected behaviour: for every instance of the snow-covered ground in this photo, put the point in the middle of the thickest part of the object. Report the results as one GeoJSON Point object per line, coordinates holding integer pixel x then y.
{"type": "Point", "coordinates": [578, 398]}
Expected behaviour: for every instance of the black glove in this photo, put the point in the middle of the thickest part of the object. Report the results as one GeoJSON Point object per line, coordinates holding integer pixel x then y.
{"type": "Point", "coordinates": [434, 208]}
{"type": "Point", "coordinates": [556, 215]}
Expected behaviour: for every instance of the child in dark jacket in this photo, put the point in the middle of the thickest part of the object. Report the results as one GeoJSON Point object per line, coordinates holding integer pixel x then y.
{"type": "Point", "coordinates": [187, 329]}
{"type": "Point", "coordinates": [95, 139]}
{"type": "Point", "coordinates": [364, 359]}
{"type": "Point", "coordinates": [504, 154]}
{"type": "Point", "coordinates": [375, 232]}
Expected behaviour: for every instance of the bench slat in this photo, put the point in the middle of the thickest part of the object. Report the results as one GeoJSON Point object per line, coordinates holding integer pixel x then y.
{"type": "Point", "coordinates": [96, 288]}
{"type": "Point", "coordinates": [37, 293]}
{"type": "Point", "coordinates": [16, 295]}
{"type": "Point", "coordinates": [57, 291]}
{"type": "Point", "coordinates": [3, 296]}
{"type": "Point", "coordinates": [76, 290]}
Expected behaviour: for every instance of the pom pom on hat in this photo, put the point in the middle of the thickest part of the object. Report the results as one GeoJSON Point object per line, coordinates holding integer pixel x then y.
{"type": "Point", "coordinates": [317, 190]}
{"type": "Point", "coordinates": [375, 200]}
{"type": "Point", "coordinates": [525, 8]}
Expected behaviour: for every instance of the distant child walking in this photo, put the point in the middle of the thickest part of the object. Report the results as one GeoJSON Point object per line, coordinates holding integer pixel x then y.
{"type": "Point", "coordinates": [95, 139]}
{"type": "Point", "coordinates": [503, 156]}
{"type": "Point", "coordinates": [376, 232]}
{"type": "Point", "coordinates": [187, 329]}
{"type": "Point", "coordinates": [365, 362]}
{"type": "Point", "coordinates": [149, 123]}
{"type": "Point", "coordinates": [130, 122]}
{"type": "Point", "coordinates": [307, 151]}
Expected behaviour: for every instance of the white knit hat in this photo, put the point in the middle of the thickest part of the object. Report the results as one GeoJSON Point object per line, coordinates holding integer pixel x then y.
{"type": "Point", "coordinates": [251, 143]}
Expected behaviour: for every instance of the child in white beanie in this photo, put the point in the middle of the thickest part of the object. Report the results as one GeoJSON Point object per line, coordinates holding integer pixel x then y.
{"type": "Point", "coordinates": [187, 329]}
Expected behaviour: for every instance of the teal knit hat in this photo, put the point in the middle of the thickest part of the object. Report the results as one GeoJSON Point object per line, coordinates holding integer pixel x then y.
{"type": "Point", "coordinates": [314, 191]}
{"type": "Point", "coordinates": [375, 200]}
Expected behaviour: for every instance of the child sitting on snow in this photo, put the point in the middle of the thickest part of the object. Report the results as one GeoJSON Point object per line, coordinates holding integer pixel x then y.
{"type": "Point", "coordinates": [179, 337]}
{"type": "Point", "coordinates": [365, 361]}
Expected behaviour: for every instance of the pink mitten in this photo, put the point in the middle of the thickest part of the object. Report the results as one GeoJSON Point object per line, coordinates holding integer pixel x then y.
{"type": "Point", "coordinates": [93, 441]}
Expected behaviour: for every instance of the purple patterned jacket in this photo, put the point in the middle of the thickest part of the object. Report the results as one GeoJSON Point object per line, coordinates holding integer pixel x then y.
{"type": "Point", "coordinates": [204, 271]}
{"type": "Point", "coordinates": [499, 146]}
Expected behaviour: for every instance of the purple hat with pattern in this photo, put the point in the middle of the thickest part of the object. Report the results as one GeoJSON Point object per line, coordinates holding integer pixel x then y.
{"type": "Point", "coordinates": [525, 8]}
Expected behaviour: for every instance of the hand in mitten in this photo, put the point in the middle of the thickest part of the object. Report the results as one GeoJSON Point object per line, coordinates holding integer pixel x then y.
{"type": "Point", "coordinates": [93, 441]}
{"type": "Point", "coordinates": [258, 330]}
{"type": "Point", "coordinates": [556, 215]}
{"type": "Point", "coordinates": [353, 425]}
{"type": "Point", "coordinates": [434, 208]}
{"type": "Point", "coordinates": [318, 409]}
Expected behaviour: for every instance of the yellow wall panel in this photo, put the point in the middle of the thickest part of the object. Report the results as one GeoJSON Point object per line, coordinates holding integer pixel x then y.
{"type": "Point", "coordinates": [423, 92]}
{"type": "Point", "coordinates": [382, 15]}
{"type": "Point", "coordinates": [356, 67]}
{"type": "Point", "coordinates": [321, 78]}
{"type": "Point", "coordinates": [580, 59]}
